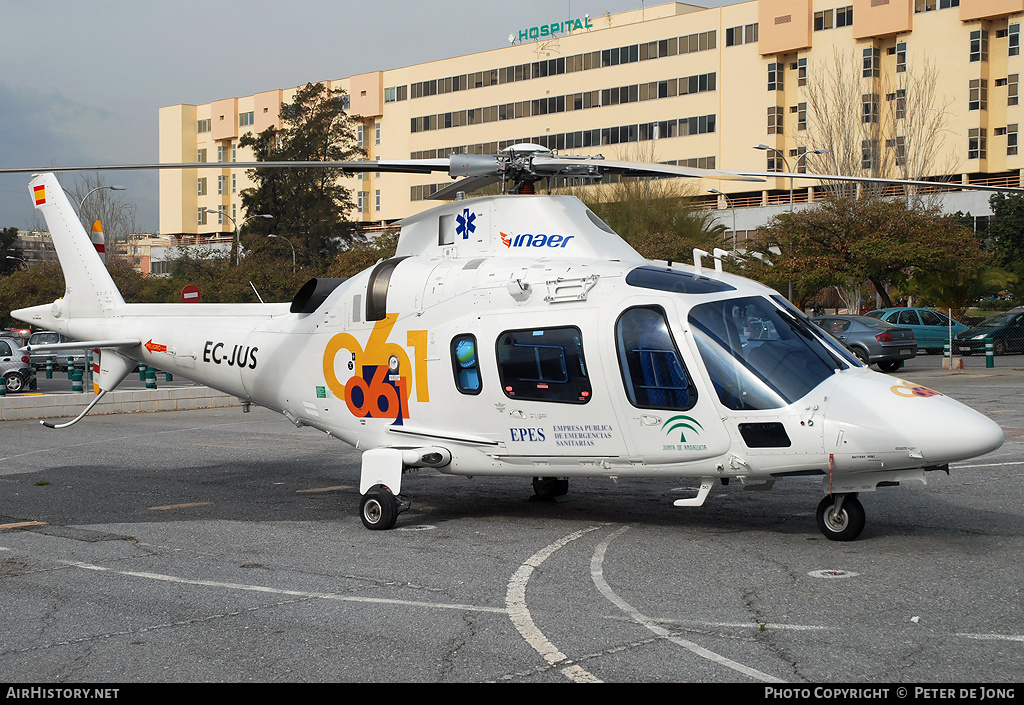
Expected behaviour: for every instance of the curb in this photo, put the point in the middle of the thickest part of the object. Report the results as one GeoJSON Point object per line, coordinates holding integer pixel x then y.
{"type": "Point", "coordinates": [48, 406]}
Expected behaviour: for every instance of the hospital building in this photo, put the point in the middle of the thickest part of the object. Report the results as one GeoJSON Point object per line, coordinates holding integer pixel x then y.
{"type": "Point", "coordinates": [675, 83]}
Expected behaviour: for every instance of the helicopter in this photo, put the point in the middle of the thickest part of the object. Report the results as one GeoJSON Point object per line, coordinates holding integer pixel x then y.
{"type": "Point", "coordinates": [519, 335]}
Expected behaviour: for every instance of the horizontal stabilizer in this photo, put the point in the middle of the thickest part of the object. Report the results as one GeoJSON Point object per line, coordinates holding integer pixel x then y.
{"type": "Point", "coordinates": [87, 344]}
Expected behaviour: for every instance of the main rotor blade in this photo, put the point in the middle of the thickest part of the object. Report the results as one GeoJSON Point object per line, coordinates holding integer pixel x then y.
{"type": "Point", "coordinates": [410, 166]}
{"type": "Point", "coordinates": [556, 165]}
{"type": "Point", "coordinates": [470, 183]}
{"type": "Point", "coordinates": [952, 185]}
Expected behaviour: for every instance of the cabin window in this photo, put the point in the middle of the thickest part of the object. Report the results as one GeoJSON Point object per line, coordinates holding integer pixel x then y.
{"type": "Point", "coordinates": [652, 369]}
{"type": "Point", "coordinates": [543, 365]}
{"type": "Point", "coordinates": [466, 364]}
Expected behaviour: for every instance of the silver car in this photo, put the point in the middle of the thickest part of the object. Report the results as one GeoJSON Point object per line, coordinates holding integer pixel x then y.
{"type": "Point", "coordinates": [60, 359]}
{"type": "Point", "coordinates": [874, 342]}
{"type": "Point", "coordinates": [17, 372]}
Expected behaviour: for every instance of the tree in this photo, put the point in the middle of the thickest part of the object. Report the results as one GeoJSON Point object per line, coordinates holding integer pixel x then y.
{"type": "Point", "coordinates": [115, 214]}
{"type": "Point", "coordinates": [896, 128]}
{"type": "Point", "coordinates": [310, 206]}
{"type": "Point", "coordinates": [1006, 228]}
{"type": "Point", "coordinates": [362, 255]}
{"type": "Point", "coordinates": [9, 248]}
{"type": "Point", "coordinates": [881, 241]}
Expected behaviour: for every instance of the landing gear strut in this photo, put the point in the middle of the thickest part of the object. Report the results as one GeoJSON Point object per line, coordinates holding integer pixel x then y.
{"type": "Point", "coordinates": [841, 517]}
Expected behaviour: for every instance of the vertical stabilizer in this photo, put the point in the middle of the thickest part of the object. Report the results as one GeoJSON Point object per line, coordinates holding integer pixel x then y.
{"type": "Point", "coordinates": [89, 290]}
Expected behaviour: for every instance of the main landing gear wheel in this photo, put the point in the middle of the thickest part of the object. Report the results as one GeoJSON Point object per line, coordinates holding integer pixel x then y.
{"type": "Point", "coordinates": [549, 488]}
{"type": "Point", "coordinates": [379, 509]}
{"type": "Point", "coordinates": [841, 517]}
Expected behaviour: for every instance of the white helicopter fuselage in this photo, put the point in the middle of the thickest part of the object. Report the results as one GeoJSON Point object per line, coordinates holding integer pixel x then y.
{"type": "Point", "coordinates": [519, 335]}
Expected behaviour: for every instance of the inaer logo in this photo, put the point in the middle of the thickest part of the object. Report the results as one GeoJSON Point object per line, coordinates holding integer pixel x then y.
{"type": "Point", "coordinates": [682, 424]}
{"type": "Point", "coordinates": [382, 374]}
{"type": "Point", "coordinates": [538, 240]}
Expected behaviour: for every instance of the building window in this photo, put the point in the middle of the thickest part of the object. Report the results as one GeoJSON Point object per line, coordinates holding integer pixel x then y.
{"type": "Point", "coordinates": [1011, 140]}
{"type": "Point", "coordinates": [234, 183]}
{"type": "Point", "coordinates": [979, 45]}
{"type": "Point", "coordinates": [775, 76]}
{"type": "Point", "coordinates": [201, 217]}
{"type": "Point", "coordinates": [775, 115]}
{"type": "Point", "coordinates": [220, 152]}
{"type": "Point", "coordinates": [1013, 89]}
{"type": "Point", "coordinates": [899, 148]}
{"type": "Point", "coordinates": [202, 186]}
{"type": "Point", "coordinates": [929, 5]}
{"type": "Point", "coordinates": [744, 34]}
{"type": "Point", "coordinates": [361, 135]}
{"type": "Point", "coordinates": [801, 160]}
{"type": "Point", "coordinates": [361, 201]}
{"type": "Point", "coordinates": [839, 17]}
{"type": "Point", "coordinates": [868, 154]}
{"type": "Point", "coordinates": [901, 57]}
{"type": "Point", "coordinates": [376, 132]}
{"type": "Point", "coordinates": [201, 156]}
{"type": "Point", "coordinates": [801, 72]}
{"type": "Point", "coordinates": [774, 162]}
{"type": "Point", "coordinates": [1013, 39]}
{"type": "Point", "coordinates": [203, 125]}
{"type": "Point", "coordinates": [978, 94]}
{"type": "Point", "coordinates": [246, 119]}
{"type": "Point", "coordinates": [377, 200]}
{"type": "Point", "coordinates": [801, 116]}
{"type": "Point", "coordinates": [869, 108]}
{"type": "Point", "coordinates": [977, 143]}
{"type": "Point", "coordinates": [872, 62]}
{"type": "Point", "coordinates": [220, 185]}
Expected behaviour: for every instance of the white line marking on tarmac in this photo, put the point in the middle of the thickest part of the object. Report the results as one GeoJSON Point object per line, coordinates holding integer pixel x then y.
{"type": "Point", "coordinates": [597, 574]}
{"type": "Point", "coordinates": [515, 603]}
{"type": "Point", "coordinates": [280, 591]}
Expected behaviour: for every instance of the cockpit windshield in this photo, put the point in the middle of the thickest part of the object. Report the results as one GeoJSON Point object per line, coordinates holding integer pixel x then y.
{"type": "Point", "coordinates": [759, 356]}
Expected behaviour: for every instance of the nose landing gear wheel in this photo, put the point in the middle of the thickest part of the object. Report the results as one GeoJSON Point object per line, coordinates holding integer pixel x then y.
{"type": "Point", "coordinates": [379, 509]}
{"type": "Point", "coordinates": [840, 517]}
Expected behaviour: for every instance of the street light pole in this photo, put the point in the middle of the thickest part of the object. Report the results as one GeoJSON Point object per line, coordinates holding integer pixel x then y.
{"type": "Point", "coordinates": [729, 204]}
{"type": "Point", "coordinates": [782, 156]}
{"type": "Point", "coordinates": [279, 237]}
{"type": "Point", "coordinates": [23, 262]}
{"type": "Point", "coordinates": [238, 228]}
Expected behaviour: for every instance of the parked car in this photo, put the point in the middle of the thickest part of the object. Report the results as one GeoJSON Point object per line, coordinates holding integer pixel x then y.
{"type": "Point", "coordinates": [1004, 330]}
{"type": "Point", "coordinates": [874, 342]}
{"type": "Point", "coordinates": [19, 334]}
{"type": "Point", "coordinates": [60, 359]}
{"type": "Point", "coordinates": [17, 372]}
{"type": "Point", "coordinates": [931, 328]}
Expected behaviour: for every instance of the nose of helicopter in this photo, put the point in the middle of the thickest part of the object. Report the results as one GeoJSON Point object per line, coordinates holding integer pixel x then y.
{"type": "Point", "coordinates": [874, 413]}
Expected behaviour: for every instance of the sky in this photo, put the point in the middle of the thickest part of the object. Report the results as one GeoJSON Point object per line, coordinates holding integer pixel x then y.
{"type": "Point", "coordinates": [83, 82]}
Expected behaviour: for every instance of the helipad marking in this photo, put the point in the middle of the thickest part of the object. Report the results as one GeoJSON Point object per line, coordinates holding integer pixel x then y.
{"type": "Point", "coordinates": [515, 603]}
{"type": "Point", "coordinates": [165, 507]}
{"type": "Point", "coordinates": [279, 591]}
{"type": "Point", "coordinates": [597, 575]}
{"type": "Point", "coordinates": [21, 524]}
{"type": "Point", "coordinates": [325, 489]}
